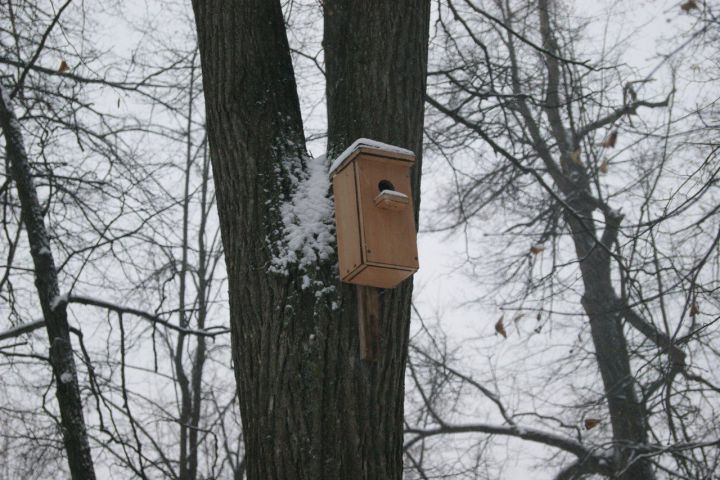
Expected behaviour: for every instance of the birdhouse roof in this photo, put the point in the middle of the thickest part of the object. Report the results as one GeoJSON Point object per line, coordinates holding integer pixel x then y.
{"type": "Point", "coordinates": [370, 146]}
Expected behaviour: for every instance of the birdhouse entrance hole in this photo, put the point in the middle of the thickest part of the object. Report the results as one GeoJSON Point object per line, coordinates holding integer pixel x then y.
{"type": "Point", "coordinates": [385, 185]}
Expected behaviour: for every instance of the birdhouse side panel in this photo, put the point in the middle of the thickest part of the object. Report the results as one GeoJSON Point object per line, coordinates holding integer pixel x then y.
{"type": "Point", "coordinates": [389, 235]}
{"type": "Point", "coordinates": [347, 221]}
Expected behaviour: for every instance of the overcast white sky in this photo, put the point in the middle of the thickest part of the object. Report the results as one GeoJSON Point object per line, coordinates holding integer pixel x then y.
{"type": "Point", "coordinates": [442, 286]}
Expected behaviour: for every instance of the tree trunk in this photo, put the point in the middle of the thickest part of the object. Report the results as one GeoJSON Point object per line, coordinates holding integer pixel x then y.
{"type": "Point", "coordinates": [311, 409]}
{"type": "Point", "coordinates": [204, 277]}
{"type": "Point", "coordinates": [376, 57]}
{"type": "Point", "coordinates": [599, 300]}
{"type": "Point", "coordinates": [52, 304]}
{"type": "Point", "coordinates": [627, 414]}
{"type": "Point", "coordinates": [188, 451]}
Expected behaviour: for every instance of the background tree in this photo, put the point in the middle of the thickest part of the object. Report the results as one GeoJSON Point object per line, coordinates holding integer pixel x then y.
{"type": "Point", "coordinates": [141, 294]}
{"type": "Point", "coordinates": [532, 125]}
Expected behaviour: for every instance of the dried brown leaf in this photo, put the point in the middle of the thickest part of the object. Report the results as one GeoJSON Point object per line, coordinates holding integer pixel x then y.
{"type": "Point", "coordinates": [603, 168]}
{"type": "Point", "coordinates": [611, 140]}
{"type": "Point", "coordinates": [591, 423]}
{"type": "Point", "coordinates": [575, 156]}
{"type": "Point", "coordinates": [500, 327]}
{"type": "Point", "coordinates": [537, 248]}
{"type": "Point", "coordinates": [689, 5]}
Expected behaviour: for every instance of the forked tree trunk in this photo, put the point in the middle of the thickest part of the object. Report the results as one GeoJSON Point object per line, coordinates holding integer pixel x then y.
{"type": "Point", "coordinates": [311, 409]}
{"type": "Point", "coordinates": [53, 307]}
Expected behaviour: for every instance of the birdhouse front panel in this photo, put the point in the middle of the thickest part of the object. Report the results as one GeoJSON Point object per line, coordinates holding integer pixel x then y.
{"type": "Point", "coordinates": [374, 215]}
{"type": "Point", "coordinates": [389, 232]}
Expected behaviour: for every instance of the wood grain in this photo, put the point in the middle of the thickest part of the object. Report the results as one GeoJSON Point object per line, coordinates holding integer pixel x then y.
{"type": "Point", "coordinates": [389, 236]}
{"type": "Point", "coordinates": [347, 222]}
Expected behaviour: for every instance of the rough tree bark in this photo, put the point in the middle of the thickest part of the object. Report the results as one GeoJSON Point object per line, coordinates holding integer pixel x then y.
{"type": "Point", "coordinates": [311, 409]}
{"type": "Point", "coordinates": [53, 306]}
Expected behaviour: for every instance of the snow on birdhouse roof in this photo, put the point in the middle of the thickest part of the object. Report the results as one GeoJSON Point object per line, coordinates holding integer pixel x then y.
{"type": "Point", "coordinates": [365, 142]}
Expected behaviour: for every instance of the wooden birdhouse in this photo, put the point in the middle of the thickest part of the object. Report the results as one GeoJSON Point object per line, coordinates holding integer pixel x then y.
{"type": "Point", "coordinates": [374, 215]}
